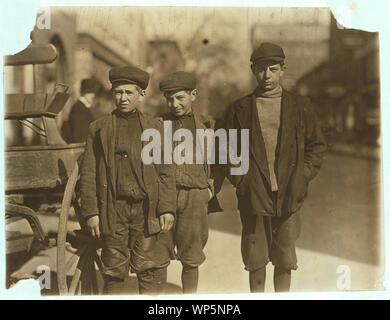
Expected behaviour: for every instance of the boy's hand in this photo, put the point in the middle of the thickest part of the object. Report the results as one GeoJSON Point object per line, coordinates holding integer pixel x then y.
{"type": "Point", "coordinates": [166, 221]}
{"type": "Point", "coordinates": [93, 226]}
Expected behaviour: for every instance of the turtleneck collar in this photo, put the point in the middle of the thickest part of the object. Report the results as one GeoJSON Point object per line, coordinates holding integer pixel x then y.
{"type": "Point", "coordinates": [274, 93]}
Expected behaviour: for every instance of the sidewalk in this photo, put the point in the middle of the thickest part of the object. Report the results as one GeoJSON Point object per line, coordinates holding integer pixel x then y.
{"type": "Point", "coordinates": [341, 226]}
{"type": "Point", "coordinates": [359, 151]}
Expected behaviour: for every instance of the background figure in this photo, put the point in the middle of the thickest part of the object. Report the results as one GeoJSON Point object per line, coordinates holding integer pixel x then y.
{"type": "Point", "coordinates": [83, 112]}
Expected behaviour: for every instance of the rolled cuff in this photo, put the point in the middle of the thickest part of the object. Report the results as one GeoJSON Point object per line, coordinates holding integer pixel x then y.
{"type": "Point", "coordinates": [87, 214]}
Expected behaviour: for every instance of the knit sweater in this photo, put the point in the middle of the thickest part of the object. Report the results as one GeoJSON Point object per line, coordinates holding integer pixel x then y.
{"type": "Point", "coordinates": [268, 105]}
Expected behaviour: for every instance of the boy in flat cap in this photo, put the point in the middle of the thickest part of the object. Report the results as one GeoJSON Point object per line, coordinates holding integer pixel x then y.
{"type": "Point", "coordinates": [286, 152]}
{"type": "Point", "coordinates": [83, 111]}
{"type": "Point", "coordinates": [194, 188]}
{"type": "Point", "coordinates": [121, 201]}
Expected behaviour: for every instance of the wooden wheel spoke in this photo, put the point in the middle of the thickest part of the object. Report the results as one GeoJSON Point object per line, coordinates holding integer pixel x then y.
{"type": "Point", "coordinates": [81, 245]}
{"type": "Point", "coordinates": [62, 230]}
{"type": "Point", "coordinates": [70, 263]}
{"type": "Point", "coordinates": [79, 270]}
{"type": "Point", "coordinates": [79, 288]}
{"type": "Point", "coordinates": [98, 261]}
{"type": "Point", "coordinates": [75, 281]}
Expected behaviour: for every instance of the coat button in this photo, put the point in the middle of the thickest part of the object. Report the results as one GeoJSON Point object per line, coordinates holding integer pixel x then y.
{"type": "Point", "coordinates": [105, 185]}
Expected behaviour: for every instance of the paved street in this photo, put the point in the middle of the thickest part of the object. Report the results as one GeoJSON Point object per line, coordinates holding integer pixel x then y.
{"type": "Point", "coordinates": [341, 225]}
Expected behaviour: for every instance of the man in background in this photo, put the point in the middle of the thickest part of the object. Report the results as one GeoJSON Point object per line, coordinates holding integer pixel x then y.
{"type": "Point", "coordinates": [83, 112]}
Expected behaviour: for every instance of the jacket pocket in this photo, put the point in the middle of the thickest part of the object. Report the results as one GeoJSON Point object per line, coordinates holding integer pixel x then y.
{"type": "Point", "coordinates": [298, 183]}
{"type": "Point", "coordinates": [302, 190]}
{"type": "Point", "coordinates": [297, 192]}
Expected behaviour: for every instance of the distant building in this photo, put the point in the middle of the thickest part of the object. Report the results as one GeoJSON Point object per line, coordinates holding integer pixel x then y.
{"type": "Point", "coordinates": [213, 43]}
{"type": "Point", "coordinates": [345, 87]}
{"type": "Point", "coordinates": [303, 33]}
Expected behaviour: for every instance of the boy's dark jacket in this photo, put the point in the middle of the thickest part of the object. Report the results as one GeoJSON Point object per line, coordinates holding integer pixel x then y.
{"type": "Point", "coordinates": [97, 177]}
{"type": "Point", "coordinates": [299, 155]}
{"type": "Point", "coordinates": [204, 123]}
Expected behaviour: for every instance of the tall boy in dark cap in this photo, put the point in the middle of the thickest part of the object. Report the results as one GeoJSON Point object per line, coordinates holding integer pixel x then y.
{"type": "Point", "coordinates": [194, 188]}
{"type": "Point", "coordinates": [121, 201]}
{"type": "Point", "coordinates": [286, 151]}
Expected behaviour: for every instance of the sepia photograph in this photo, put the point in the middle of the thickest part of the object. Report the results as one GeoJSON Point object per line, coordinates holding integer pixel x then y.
{"type": "Point", "coordinates": [172, 150]}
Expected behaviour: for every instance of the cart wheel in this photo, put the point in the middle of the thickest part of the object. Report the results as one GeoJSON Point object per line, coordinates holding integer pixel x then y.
{"type": "Point", "coordinates": [84, 249]}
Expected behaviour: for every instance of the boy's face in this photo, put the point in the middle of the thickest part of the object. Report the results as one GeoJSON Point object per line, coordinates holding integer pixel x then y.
{"type": "Point", "coordinates": [268, 75]}
{"type": "Point", "coordinates": [180, 101]}
{"type": "Point", "coordinates": [90, 96]}
{"type": "Point", "coordinates": [127, 96]}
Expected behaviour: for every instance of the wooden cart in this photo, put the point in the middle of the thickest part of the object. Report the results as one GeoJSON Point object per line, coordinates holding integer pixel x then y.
{"type": "Point", "coordinates": [50, 168]}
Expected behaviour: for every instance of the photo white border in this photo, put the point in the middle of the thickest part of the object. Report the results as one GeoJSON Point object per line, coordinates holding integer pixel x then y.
{"type": "Point", "coordinates": [18, 21]}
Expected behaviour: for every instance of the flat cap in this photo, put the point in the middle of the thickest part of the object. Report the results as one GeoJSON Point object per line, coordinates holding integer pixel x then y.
{"type": "Point", "coordinates": [129, 74]}
{"type": "Point", "coordinates": [90, 85]}
{"type": "Point", "coordinates": [268, 51]}
{"type": "Point", "coordinates": [179, 80]}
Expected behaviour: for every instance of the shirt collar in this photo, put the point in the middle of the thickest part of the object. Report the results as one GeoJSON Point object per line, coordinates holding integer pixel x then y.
{"type": "Point", "coordinates": [275, 93]}
{"type": "Point", "coordinates": [186, 116]}
{"type": "Point", "coordinates": [125, 115]}
{"type": "Point", "coordinates": [85, 102]}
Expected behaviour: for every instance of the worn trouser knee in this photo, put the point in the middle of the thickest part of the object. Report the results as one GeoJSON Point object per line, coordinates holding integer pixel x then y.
{"type": "Point", "coordinates": [152, 282]}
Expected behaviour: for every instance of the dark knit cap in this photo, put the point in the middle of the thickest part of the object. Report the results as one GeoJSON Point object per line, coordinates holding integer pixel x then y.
{"type": "Point", "coordinates": [129, 74]}
{"type": "Point", "coordinates": [179, 80]}
{"type": "Point", "coordinates": [268, 52]}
